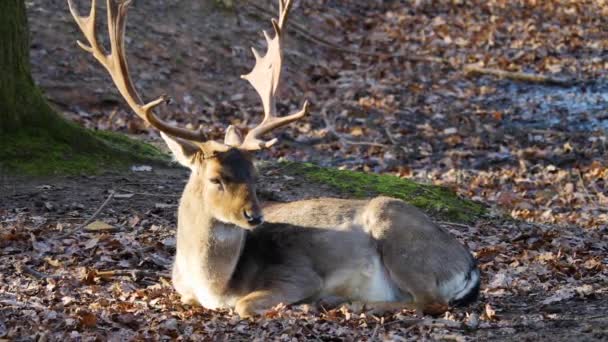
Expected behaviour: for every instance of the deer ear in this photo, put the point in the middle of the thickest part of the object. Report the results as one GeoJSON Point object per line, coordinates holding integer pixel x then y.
{"type": "Point", "coordinates": [233, 137]}
{"type": "Point", "coordinates": [183, 151]}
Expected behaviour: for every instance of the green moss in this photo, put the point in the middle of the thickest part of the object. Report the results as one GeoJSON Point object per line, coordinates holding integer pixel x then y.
{"type": "Point", "coordinates": [435, 200]}
{"type": "Point", "coordinates": [41, 154]}
{"type": "Point", "coordinates": [133, 147]}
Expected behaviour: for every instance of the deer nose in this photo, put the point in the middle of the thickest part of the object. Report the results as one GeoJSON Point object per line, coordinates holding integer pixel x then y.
{"type": "Point", "coordinates": [253, 218]}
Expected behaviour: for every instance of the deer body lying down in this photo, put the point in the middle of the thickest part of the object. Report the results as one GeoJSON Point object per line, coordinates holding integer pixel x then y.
{"type": "Point", "coordinates": [379, 251]}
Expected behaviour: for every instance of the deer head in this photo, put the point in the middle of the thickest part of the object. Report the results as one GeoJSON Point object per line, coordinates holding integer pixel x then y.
{"type": "Point", "coordinates": [222, 172]}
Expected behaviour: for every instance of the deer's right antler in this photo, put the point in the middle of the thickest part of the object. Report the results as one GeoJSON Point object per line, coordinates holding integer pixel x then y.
{"type": "Point", "coordinates": [116, 64]}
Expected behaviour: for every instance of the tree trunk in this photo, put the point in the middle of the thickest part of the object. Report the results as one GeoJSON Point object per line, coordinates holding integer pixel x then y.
{"type": "Point", "coordinates": [21, 103]}
{"type": "Point", "coordinates": [23, 109]}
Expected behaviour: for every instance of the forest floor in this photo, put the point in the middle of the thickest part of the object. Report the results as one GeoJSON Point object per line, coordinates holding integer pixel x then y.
{"type": "Point", "coordinates": [390, 94]}
{"type": "Point", "coordinates": [110, 279]}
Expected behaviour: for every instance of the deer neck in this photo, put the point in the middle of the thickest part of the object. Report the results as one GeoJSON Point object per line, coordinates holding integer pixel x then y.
{"type": "Point", "coordinates": [208, 248]}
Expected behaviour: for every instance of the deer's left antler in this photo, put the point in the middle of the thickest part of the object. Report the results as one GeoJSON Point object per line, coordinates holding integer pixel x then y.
{"type": "Point", "coordinates": [265, 78]}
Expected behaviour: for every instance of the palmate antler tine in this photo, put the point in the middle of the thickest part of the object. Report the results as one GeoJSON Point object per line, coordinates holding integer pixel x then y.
{"type": "Point", "coordinates": [116, 64]}
{"type": "Point", "coordinates": [265, 78]}
{"type": "Point", "coordinates": [284, 7]}
{"type": "Point", "coordinates": [87, 26]}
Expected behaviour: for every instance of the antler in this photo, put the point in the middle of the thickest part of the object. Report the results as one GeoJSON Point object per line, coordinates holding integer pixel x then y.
{"type": "Point", "coordinates": [265, 79]}
{"type": "Point", "coordinates": [116, 64]}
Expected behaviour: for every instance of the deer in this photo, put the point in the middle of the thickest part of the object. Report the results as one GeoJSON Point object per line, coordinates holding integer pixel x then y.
{"type": "Point", "coordinates": [232, 251]}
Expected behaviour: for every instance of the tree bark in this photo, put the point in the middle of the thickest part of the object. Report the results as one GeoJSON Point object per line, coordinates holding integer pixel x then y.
{"type": "Point", "coordinates": [23, 108]}
{"type": "Point", "coordinates": [21, 103]}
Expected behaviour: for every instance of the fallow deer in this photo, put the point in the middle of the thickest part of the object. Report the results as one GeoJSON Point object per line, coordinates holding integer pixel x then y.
{"type": "Point", "coordinates": [381, 251]}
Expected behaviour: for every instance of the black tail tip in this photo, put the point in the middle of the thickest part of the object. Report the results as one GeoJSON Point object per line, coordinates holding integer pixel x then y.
{"type": "Point", "coordinates": [473, 294]}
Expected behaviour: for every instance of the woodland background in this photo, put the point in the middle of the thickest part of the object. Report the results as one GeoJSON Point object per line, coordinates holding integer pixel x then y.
{"type": "Point", "coordinates": [395, 89]}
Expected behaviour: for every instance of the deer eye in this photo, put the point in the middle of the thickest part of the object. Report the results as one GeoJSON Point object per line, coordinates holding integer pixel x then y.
{"type": "Point", "coordinates": [216, 181]}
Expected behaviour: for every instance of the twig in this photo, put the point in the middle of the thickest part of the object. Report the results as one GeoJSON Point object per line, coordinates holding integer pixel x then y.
{"type": "Point", "coordinates": [394, 141]}
{"type": "Point", "coordinates": [304, 32]}
{"type": "Point", "coordinates": [454, 224]}
{"type": "Point", "coordinates": [311, 332]}
{"type": "Point", "coordinates": [147, 193]}
{"type": "Point", "coordinates": [20, 304]}
{"type": "Point", "coordinates": [36, 274]}
{"type": "Point", "coordinates": [580, 177]}
{"type": "Point", "coordinates": [134, 273]}
{"type": "Point", "coordinates": [95, 214]}
{"type": "Point", "coordinates": [375, 333]}
{"type": "Point", "coordinates": [332, 129]}
{"type": "Point", "coordinates": [519, 76]}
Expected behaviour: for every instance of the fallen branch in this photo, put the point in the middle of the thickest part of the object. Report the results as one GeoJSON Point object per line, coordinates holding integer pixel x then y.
{"type": "Point", "coordinates": [90, 219]}
{"type": "Point", "coordinates": [472, 70]}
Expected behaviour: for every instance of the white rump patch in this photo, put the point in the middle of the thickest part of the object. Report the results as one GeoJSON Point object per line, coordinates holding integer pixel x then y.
{"type": "Point", "coordinates": [380, 288]}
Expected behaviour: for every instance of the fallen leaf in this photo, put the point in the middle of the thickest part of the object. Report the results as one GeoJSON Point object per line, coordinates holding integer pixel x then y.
{"type": "Point", "coordinates": [91, 243]}
{"type": "Point", "coordinates": [87, 319]}
{"type": "Point", "coordinates": [490, 312]}
{"type": "Point", "coordinates": [52, 262]}
{"type": "Point", "coordinates": [99, 226]}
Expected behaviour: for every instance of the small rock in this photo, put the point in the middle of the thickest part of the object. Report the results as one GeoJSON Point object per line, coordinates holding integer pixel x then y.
{"type": "Point", "coordinates": [473, 320]}
{"type": "Point", "coordinates": [169, 327]}
{"type": "Point", "coordinates": [141, 168]}
{"type": "Point", "coordinates": [450, 130]}
{"type": "Point", "coordinates": [49, 206]}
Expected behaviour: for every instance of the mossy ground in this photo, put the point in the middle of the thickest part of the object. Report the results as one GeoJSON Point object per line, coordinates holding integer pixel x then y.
{"type": "Point", "coordinates": [39, 153]}
{"type": "Point", "coordinates": [437, 201]}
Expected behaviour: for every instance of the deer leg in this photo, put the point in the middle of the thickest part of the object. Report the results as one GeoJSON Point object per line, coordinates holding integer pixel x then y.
{"type": "Point", "coordinates": [182, 287]}
{"type": "Point", "coordinates": [259, 301]}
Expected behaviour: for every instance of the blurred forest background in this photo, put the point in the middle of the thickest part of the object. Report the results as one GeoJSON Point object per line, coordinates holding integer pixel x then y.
{"type": "Point", "coordinates": [389, 84]}
{"type": "Point", "coordinates": [407, 88]}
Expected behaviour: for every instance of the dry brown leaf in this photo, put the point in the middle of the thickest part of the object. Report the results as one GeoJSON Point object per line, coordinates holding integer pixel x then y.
{"type": "Point", "coordinates": [91, 243]}
{"type": "Point", "coordinates": [87, 319]}
{"type": "Point", "coordinates": [99, 226]}
{"type": "Point", "coordinates": [490, 312]}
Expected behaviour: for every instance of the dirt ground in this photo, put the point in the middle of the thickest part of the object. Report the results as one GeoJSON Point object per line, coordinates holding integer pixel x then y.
{"type": "Point", "coordinates": [534, 153]}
